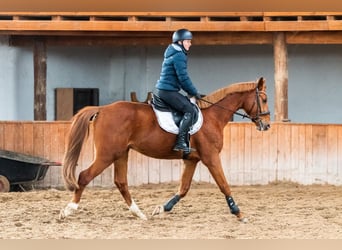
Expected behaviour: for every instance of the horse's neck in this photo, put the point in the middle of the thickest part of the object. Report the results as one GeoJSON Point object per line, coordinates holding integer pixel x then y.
{"type": "Point", "coordinates": [226, 108]}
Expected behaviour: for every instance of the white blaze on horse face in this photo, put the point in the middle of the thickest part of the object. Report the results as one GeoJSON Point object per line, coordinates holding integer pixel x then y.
{"type": "Point", "coordinates": [136, 211]}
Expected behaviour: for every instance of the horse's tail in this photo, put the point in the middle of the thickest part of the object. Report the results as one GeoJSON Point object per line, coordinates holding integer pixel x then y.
{"type": "Point", "coordinates": [79, 131]}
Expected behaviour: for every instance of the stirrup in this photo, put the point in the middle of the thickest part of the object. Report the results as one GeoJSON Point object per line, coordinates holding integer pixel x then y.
{"type": "Point", "coordinates": [187, 150]}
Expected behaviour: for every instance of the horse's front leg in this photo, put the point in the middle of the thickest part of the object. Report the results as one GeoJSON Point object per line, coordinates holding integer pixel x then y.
{"type": "Point", "coordinates": [185, 183]}
{"type": "Point", "coordinates": [215, 168]}
{"type": "Point", "coordinates": [120, 180]}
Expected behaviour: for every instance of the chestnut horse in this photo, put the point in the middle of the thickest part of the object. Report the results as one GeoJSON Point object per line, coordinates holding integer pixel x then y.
{"type": "Point", "coordinates": [123, 125]}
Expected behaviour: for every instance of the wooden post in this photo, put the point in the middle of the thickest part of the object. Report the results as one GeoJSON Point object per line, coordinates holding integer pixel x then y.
{"type": "Point", "coordinates": [39, 64]}
{"type": "Point", "coordinates": [280, 77]}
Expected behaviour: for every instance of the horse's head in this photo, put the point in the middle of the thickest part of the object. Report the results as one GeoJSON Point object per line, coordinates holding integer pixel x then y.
{"type": "Point", "coordinates": [257, 106]}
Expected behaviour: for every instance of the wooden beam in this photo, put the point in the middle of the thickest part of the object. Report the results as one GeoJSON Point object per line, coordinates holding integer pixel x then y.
{"type": "Point", "coordinates": [232, 38]}
{"type": "Point", "coordinates": [131, 25]}
{"type": "Point", "coordinates": [156, 38]}
{"type": "Point", "coordinates": [78, 22]}
{"type": "Point", "coordinates": [163, 38]}
{"type": "Point", "coordinates": [314, 37]}
{"type": "Point", "coordinates": [297, 25]}
{"type": "Point", "coordinates": [39, 62]}
{"type": "Point", "coordinates": [280, 77]}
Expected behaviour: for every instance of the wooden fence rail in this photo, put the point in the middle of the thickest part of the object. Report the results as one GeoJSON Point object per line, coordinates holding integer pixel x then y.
{"type": "Point", "coordinates": [303, 153]}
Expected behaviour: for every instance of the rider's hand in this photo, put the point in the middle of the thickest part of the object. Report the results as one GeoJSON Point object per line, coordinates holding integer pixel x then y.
{"type": "Point", "coordinates": [198, 96]}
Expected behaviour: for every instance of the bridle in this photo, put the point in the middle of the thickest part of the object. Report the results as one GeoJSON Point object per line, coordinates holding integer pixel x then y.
{"type": "Point", "coordinates": [259, 114]}
{"type": "Point", "coordinates": [257, 117]}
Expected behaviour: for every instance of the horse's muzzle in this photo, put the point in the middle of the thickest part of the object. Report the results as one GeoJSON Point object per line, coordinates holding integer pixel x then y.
{"type": "Point", "coordinates": [263, 126]}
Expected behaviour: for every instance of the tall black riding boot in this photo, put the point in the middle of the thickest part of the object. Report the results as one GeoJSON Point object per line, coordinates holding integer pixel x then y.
{"type": "Point", "coordinates": [184, 127]}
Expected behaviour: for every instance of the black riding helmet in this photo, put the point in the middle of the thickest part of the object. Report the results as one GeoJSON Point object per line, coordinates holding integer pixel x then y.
{"type": "Point", "coordinates": [181, 34]}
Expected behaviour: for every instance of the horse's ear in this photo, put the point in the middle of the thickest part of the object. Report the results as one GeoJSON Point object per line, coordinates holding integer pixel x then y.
{"type": "Point", "coordinates": [261, 84]}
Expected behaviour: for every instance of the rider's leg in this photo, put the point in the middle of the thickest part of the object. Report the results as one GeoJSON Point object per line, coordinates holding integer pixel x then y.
{"type": "Point", "coordinates": [179, 102]}
{"type": "Point", "coordinates": [182, 137]}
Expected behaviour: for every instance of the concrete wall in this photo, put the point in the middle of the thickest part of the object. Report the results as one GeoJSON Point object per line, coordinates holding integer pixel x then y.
{"type": "Point", "coordinates": [315, 83]}
{"type": "Point", "coordinates": [16, 82]}
{"type": "Point", "coordinates": [314, 75]}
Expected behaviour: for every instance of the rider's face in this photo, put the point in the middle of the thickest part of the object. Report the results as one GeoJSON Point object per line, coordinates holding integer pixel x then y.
{"type": "Point", "coordinates": [186, 44]}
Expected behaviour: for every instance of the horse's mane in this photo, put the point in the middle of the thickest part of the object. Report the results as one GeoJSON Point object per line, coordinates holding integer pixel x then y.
{"type": "Point", "coordinates": [219, 94]}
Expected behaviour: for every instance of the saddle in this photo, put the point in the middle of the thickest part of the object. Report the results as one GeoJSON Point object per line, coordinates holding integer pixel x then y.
{"type": "Point", "coordinates": [169, 119]}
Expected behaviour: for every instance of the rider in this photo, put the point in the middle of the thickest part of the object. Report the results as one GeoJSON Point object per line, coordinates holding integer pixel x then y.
{"type": "Point", "coordinates": [173, 78]}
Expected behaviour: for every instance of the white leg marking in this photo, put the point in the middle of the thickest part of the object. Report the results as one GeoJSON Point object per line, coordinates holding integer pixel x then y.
{"type": "Point", "coordinates": [136, 211]}
{"type": "Point", "coordinates": [68, 210]}
{"type": "Point", "coordinates": [158, 210]}
{"type": "Point", "coordinates": [244, 220]}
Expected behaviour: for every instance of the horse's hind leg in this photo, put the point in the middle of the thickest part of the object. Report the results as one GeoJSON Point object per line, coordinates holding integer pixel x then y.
{"type": "Point", "coordinates": [120, 180]}
{"type": "Point", "coordinates": [85, 177]}
{"type": "Point", "coordinates": [185, 183]}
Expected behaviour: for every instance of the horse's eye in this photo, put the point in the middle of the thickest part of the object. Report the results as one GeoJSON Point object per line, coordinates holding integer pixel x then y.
{"type": "Point", "coordinates": [263, 98]}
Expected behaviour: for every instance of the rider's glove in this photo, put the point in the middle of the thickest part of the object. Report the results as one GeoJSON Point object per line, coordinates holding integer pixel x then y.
{"type": "Point", "coordinates": [198, 96]}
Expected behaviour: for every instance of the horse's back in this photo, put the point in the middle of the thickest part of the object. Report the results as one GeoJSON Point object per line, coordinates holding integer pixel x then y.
{"type": "Point", "coordinates": [119, 107]}
{"type": "Point", "coordinates": [124, 111]}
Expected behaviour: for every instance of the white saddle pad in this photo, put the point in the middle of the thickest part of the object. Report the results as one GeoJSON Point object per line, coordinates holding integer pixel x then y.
{"type": "Point", "coordinates": [167, 123]}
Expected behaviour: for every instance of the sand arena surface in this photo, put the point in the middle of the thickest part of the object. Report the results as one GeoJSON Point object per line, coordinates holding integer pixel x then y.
{"type": "Point", "coordinates": [275, 211]}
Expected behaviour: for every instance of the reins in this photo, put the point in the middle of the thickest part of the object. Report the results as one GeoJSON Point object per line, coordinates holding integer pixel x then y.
{"type": "Point", "coordinates": [235, 112]}
{"type": "Point", "coordinates": [256, 118]}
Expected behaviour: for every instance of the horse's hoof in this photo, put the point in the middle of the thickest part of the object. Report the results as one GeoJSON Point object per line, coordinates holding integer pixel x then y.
{"type": "Point", "coordinates": [243, 220]}
{"type": "Point", "coordinates": [62, 215]}
{"type": "Point", "coordinates": [68, 210]}
{"type": "Point", "coordinates": [141, 216]}
{"type": "Point", "coordinates": [136, 211]}
{"type": "Point", "coordinates": [158, 210]}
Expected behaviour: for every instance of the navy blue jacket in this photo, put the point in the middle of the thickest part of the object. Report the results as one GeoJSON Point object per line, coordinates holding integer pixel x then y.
{"type": "Point", "coordinates": [174, 74]}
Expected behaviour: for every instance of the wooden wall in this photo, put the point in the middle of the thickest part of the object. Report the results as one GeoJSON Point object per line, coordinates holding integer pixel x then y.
{"type": "Point", "coordinates": [303, 153]}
